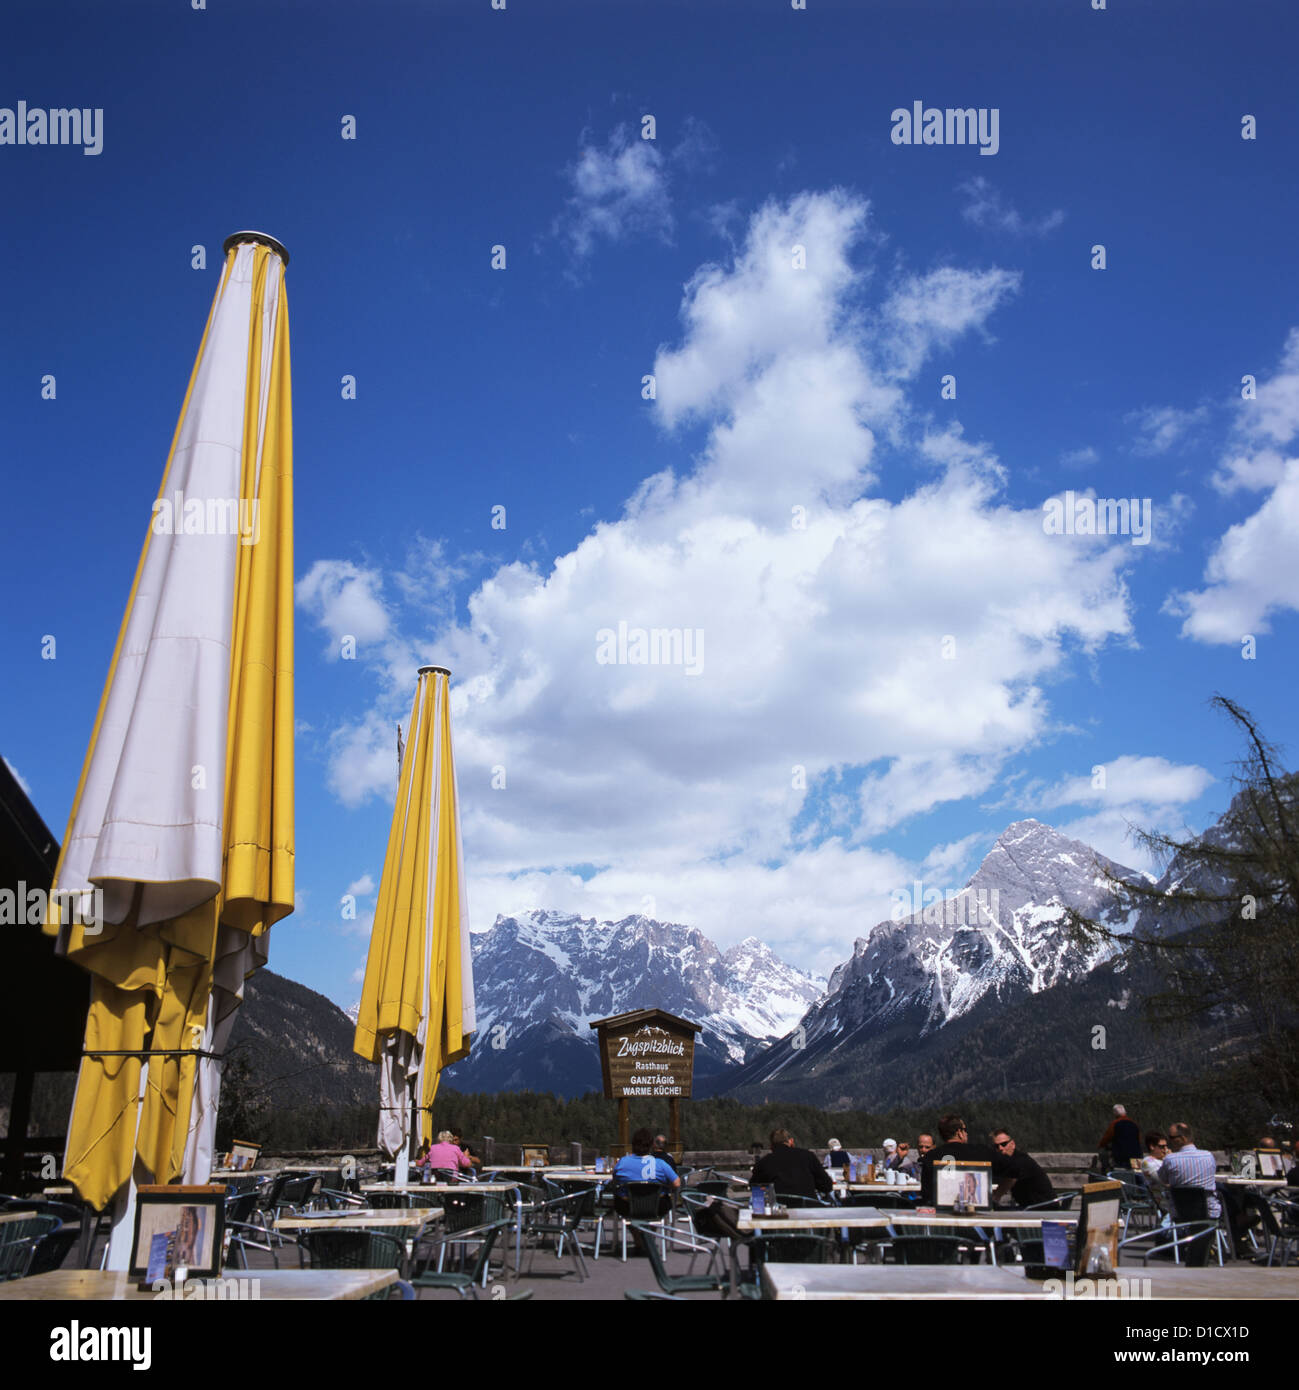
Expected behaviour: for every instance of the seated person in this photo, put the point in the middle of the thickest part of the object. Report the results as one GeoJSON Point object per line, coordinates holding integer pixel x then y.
{"type": "Point", "coordinates": [956, 1145]}
{"type": "Point", "coordinates": [837, 1156]}
{"type": "Point", "coordinates": [1292, 1177]}
{"type": "Point", "coordinates": [643, 1165]}
{"type": "Point", "coordinates": [446, 1154]}
{"type": "Point", "coordinates": [790, 1170]}
{"type": "Point", "coordinates": [1156, 1151]}
{"type": "Point", "coordinates": [903, 1162]}
{"type": "Point", "coordinates": [1025, 1179]}
{"type": "Point", "coordinates": [474, 1162]}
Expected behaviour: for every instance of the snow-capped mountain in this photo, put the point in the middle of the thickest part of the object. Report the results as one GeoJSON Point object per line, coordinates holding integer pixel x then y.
{"type": "Point", "coordinates": [1004, 936]}
{"type": "Point", "coordinates": [540, 979]}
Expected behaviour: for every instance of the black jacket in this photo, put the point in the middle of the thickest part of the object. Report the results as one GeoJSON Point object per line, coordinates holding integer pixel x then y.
{"type": "Point", "coordinates": [795, 1171]}
{"type": "Point", "coordinates": [963, 1153]}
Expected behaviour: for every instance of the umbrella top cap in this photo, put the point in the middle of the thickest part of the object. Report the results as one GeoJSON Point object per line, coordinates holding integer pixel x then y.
{"type": "Point", "coordinates": [235, 238]}
{"type": "Point", "coordinates": [441, 670]}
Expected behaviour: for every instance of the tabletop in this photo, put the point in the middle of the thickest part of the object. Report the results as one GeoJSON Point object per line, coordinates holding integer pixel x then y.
{"type": "Point", "coordinates": [359, 1220]}
{"type": "Point", "coordinates": [95, 1285]}
{"type": "Point", "coordinates": [16, 1215]}
{"type": "Point", "coordinates": [822, 1218]}
{"type": "Point", "coordinates": [438, 1187]}
{"type": "Point", "coordinates": [1253, 1182]}
{"type": "Point", "coordinates": [800, 1282]}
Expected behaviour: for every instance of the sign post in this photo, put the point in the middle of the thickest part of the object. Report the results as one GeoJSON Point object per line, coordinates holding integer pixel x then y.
{"type": "Point", "coordinates": [647, 1053]}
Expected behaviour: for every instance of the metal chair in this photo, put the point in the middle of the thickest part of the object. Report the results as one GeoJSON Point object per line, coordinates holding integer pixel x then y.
{"type": "Point", "coordinates": [642, 1201]}
{"type": "Point", "coordinates": [18, 1242]}
{"type": "Point", "coordinates": [1280, 1220]}
{"type": "Point", "coordinates": [1191, 1204]}
{"type": "Point", "coordinates": [354, 1250]}
{"type": "Point", "coordinates": [649, 1236]}
{"type": "Point", "coordinates": [464, 1282]}
{"type": "Point", "coordinates": [556, 1217]}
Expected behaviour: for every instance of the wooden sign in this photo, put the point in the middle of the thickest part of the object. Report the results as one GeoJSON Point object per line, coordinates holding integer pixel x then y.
{"type": "Point", "coordinates": [647, 1053]}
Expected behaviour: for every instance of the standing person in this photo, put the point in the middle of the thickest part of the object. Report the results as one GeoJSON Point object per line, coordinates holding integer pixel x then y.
{"type": "Point", "coordinates": [1156, 1152]}
{"type": "Point", "coordinates": [791, 1170]}
{"type": "Point", "coordinates": [956, 1144]}
{"type": "Point", "coordinates": [1026, 1182]}
{"type": "Point", "coordinates": [1123, 1139]}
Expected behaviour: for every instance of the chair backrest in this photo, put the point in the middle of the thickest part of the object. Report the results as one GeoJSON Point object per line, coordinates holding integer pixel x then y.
{"type": "Point", "coordinates": [795, 1248]}
{"type": "Point", "coordinates": [241, 1206]}
{"type": "Point", "coordinates": [462, 1210]}
{"type": "Point", "coordinates": [52, 1249]}
{"type": "Point", "coordinates": [1190, 1203]}
{"type": "Point", "coordinates": [713, 1187]}
{"type": "Point", "coordinates": [643, 1200]}
{"type": "Point", "coordinates": [798, 1199]}
{"type": "Point", "coordinates": [350, 1250]}
{"type": "Point", "coordinates": [927, 1250]}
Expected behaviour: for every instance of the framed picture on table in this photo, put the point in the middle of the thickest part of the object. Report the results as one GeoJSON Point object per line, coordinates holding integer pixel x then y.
{"type": "Point", "coordinates": [178, 1228]}
{"type": "Point", "coordinates": [243, 1155]}
{"type": "Point", "coordinates": [962, 1186]}
{"type": "Point", "coordinates": [1269, 1163]}
{"type": "Point", "coordinates": [535, 1155]}
{"type": "Point", "coordinates": [1098, 1229]}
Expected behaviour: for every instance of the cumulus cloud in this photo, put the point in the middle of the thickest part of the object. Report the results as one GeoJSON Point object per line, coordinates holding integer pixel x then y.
{"type": "Point", "coordinates": [616, 191]}
{"type": "Point", "coordinates": [1253, 572]}
{"type": "Point", "coordinates": [840, 630]}
{"type": "Point", "coordinates": [344, 600]}
{"type": "Point", "coordinates": [1131, 780]}
{"type": "Point", "coordinates": [361, 887]}
{"type": "Point", "coordinates": [986, 209]}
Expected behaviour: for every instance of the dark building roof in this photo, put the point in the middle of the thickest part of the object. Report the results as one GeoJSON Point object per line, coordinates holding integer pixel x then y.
{"type": "Point", "coordinates": [43, 999]}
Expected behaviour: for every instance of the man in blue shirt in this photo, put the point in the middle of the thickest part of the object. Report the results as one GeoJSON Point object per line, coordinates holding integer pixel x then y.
{"type": "Point", "coordinates": [1187, 1166]}
{"type": "Point", "coordinates": [642, 1165]}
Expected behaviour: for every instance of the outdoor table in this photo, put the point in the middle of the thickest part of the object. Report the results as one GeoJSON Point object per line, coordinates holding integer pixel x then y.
{"type": "Point", "coordinates": [266, 1285]}
{"type": "Point", "coordinates": [16, 1215]}
{"type": "Point", "coordinates": [411, 1219]}
{"type": "Point", "coordinates": [823, 1282]}
{"type": "Point", "coordinates": [872, 1218]}
{"type": "Point", "coordinates": [1235, 1181]}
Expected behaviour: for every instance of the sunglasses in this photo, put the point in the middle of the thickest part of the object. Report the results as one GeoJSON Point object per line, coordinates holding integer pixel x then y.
{"type": "Point", "coordinates": [1003, 1143]}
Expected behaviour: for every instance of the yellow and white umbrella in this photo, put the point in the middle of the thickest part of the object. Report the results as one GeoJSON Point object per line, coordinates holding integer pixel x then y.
{"type": "Point", "coordinates": [417, 1004]}
{"type": "Point", "coordinates": [184, 813]}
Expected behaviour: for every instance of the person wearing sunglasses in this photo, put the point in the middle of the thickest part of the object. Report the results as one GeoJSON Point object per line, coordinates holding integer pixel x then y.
{"type": "Point", "coordinates": [1025, 1182]}
{"type": "Point", "coordinates": [1156, 1151]}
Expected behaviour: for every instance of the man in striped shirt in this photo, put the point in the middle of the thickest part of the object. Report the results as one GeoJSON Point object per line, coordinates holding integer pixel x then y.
{"type": "Point", "coordinates": [1187, 1166]}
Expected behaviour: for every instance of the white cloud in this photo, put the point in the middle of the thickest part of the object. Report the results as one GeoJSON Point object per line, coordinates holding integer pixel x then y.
{"type": "Point", "coordinates": [617, 191]}
{"type": "Point", "coordinates": [988, 210]}
{"type": "Point", "coordinates": [1160, 428]}
{"type": "Point", "coordinates": [361, 887]}
{"type": "Point", "coordinates": [344, 599]}
{"type": "Point", "coordinates": [824, 607]}
{"type": "Point", "coordinates": [1253, 573]}
{"type": "Point", "coordinates": [1080, 458]}
{"type": "Point", "coordinates": [1131, 780]}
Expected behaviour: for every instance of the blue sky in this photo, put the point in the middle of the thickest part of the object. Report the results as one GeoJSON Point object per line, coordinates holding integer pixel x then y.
{"type": "Point", "coordinates": [798, 490]}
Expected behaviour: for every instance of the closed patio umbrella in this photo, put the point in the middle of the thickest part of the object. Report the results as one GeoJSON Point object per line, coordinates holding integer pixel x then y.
{"type": "Point", "coordinates": [417, 1004]}
{"type": "Point", "coordinates": [183, 816]}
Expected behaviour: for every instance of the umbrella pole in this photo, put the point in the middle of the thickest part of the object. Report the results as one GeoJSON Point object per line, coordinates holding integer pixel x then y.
{"type": "Point", "coordinates": [122, 1229]}
{"type": "Point", "coordinates": [402, 1174]}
